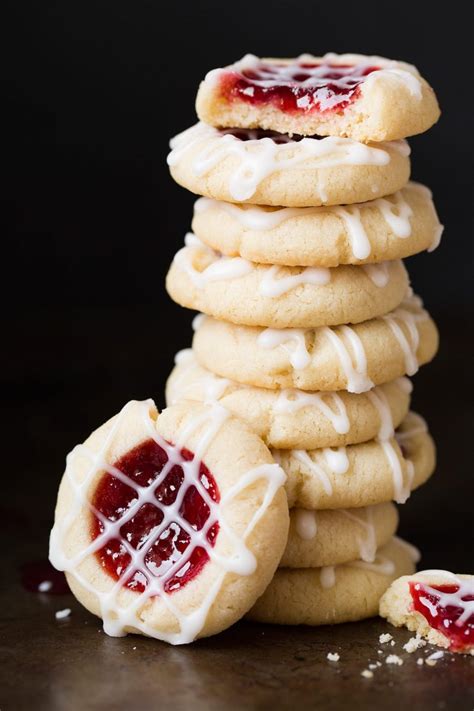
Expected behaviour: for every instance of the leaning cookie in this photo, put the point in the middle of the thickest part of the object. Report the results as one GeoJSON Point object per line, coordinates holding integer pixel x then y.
{"type": "Point", "coordinates": [393, 227]}
{"type": "Point", "coordinates": [321, 538]}
{"type": "Point", "coordinates": [292, 419]}
{"type": "Point", "coordinates": [365, 98]}
{"type": "Point", "coordinates": [437, 605]}
{"type": "Point", "coordinates": [353, 358]}
{"type": "Point", "coordinates": [170, 525]}
{"type": "Point", "coordinates": [274, 169]}
{"type": "Point", "coordinates": [330, 595]}
{"type": "Point", "coordinates": [243, 292]}
{"type": "Point", "coordinates": [360, 474]}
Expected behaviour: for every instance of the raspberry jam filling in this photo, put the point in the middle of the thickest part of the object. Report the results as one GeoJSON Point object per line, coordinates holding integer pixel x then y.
{"type": "Point", "coordinates": [163, 530]}
{"type": "Point", "coordinates": [446, 609]}
{"type": "Point", "coordinates": [297, 88]}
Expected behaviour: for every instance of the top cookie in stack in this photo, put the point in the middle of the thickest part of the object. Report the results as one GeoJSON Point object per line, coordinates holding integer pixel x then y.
{"type": "Point", "coordinates": [309, 322]}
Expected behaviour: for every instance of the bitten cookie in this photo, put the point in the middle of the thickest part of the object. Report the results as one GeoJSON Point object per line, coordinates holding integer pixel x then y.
{"type": "Point", "coordinates": [237, 165]}
{"type": "Point", "coordinates": [360, 474]}
{"type": "Point", "coordinates": [292, 419]}
{"type": "Point", "coordinates": [393, 227]}
{"type": "Point", "coordinates": [339, 358]}
{"type": "Point", "coordinates": [330, 595]}
{"type": "Point", "coordinates": [437, 605]}
{"type": "Point", "coordinates": [321, 538]}
{"type": "Point", "coordinates": [242, 292]}
{"type": "Point", "coordinates": [365, 98]}
{"type": "Point", "coordinates": [170, 525]}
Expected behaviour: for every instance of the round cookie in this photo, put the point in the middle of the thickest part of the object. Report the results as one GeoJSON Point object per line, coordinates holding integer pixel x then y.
{"type": "Point", "coordinates": [321, 538]}
{"type": "Point", "coordinates": [339, 358]}
{"type": "Point", "coordinates": [360, 474]}
{"type": "Point", "coordinates": [292, 419]}
{"type": "Point", "coordinates": [237, 165]}
{"type": "Point", "coordinates": [326, 596]}
{"type": "Point", "coordinates": [365, 98]}
{"type": "Point", "coordinates": [173, 541]}
{"type": "Point", "coordinates": [437, 605]}
{"type": "Point", "coordinates": [393, 227]}
{"type": "Point", "coordinates": [242, 292]}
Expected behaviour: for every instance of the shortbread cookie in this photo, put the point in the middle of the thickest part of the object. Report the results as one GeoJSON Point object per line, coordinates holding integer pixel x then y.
{"type": "Point", "coordinates": [365, 98]}
{"type": "Point", "coordinates": [326, 596]}
{"type": "Point", "coordinates": [353, 358]}
{"type": "Point", "coordinates": [292, 419]}
{"type": "Point", "coordinates": [320, 538]}
{"type": "Point", "coordinates": [393, 227]}
{"type": "Point", "coordinates": [363, 474]}
{"type": "Point", "coordinates": [437, 605]}
{"type": "Point", "coordinates": [237, 165]}
{"type": "Point", "coordinates": [236, 290]}
{"type": "Point", "coordinates": [173, 541]}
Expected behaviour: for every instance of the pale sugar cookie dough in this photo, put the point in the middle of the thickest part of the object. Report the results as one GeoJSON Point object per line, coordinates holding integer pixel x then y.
{"type": "Point", "coordinates": [393, 227]}
{"type": "Point", "coordinates": [436, 604]}
{"type": "Point", "coordinates": [363, 97]}
{"type": "Point", "coordinates": [236, 290]}
{"type": "Point", "coordinates": [239, 165]}
{"type": "Point", "coordinates": [319, 538]}
{"type": "Point", "coordinates": [292, 419]}
{"type": "Point", "coordinates": [330, 595]}
{"type": "Point", "coordinates": [384, 469]}
{"type": "Point", "coordinates": [353, 358]}
{"type": "Point", "coordinates": [172, 541]}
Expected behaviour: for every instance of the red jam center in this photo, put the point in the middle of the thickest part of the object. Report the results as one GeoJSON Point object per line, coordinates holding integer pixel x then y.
{"type": "Point", "coordinates": [443, 614]}
{"type": "Point", "coordinates": [297, 88]}
{"type": "Point", "coordinates": [161, 528]}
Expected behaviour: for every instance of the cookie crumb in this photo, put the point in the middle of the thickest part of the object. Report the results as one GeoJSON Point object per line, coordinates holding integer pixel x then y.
{"type": "Point", "coordinates": [333, 656]}
{"type": "Point", "coordinates": [62, 614]}
{"type": "Point", "coordinates": [431, 662]}
{"type": "Point", "coordinates": [385, 637]}
{"type": "Point", "coordinates": [420, 661]}
{"type": "Point", "coordinates": [133, 647]}
{"type": "Point", "coordinates": [379, 651]}
{"type": "Point", "coordinates": [394, 659]}
{"type": "Point", "coordinates": [413, 644]}
{"type": "Point", "coordinates": [367, 674]}
{"type": "Point", "coordinates": [45, 586]}
{"type": "Point", "coordinates": [376, 665]}
{"type": "Point", "coordinates": [436, 655]}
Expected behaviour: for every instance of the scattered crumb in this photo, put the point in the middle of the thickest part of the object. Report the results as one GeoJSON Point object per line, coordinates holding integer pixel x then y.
{"type": "Point", "coordinates": [394, 659]}
{"type": "Point", "coordinates": [392, 643]}
{"type": "Point", "coordinates": [420, 661]}
{"type": "Point", "coordinates": [133, 647]}
{"type": "Point", "coordinates": [367, 674]}
{"type": "Point", "coordinates": [379, 651]}
{"type": "Point", "coordinates": [384, 638]}
{"type": "Point", "coordinates": [333, 657]}
{"type": "Point", "coordinates": [45, 586]}
{"type": "Point", "coordinates": [431, 662]}
{"type": "Point", "coordinates": [375, 666]}
{"type": "Point", "coordinates": [436, 655]}
{"type": "Point", "coordinates": [413, 644]}
{"type": "Point", "coordinates": [62, 614]}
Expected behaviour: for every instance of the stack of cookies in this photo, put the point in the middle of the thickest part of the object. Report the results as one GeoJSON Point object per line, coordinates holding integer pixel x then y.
{"type": "Point", "coordinates": [308, 325]}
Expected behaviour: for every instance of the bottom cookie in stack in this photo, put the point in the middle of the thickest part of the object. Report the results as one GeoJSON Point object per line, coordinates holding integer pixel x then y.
{"type": "Point", "coordinates": [330, 595]}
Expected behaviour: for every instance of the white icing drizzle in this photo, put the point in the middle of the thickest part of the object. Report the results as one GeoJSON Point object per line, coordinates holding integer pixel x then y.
{"type": "Point", "coordinates": [122, 609]}
{"type": "Point", "coordinates": [305, 524]}
{"type": "Point", "coordinates": [408, 340]}
{"type": "Point", "coordinates": [192, 375]}
{"type": "Point", "coordinates": [297, 351]}
{"type": "Point", "coordinates": [271, 286]}
{"type": "Point", "coordinates": [327, 576]}
{"type": "Point", "coordinates": [302, 456]}
{"type": "Point", "coordinates": [290, 400]}
{"type": "Point", "coordinates": [395, 211]}
{"type": "Point", "coordinates": [447, 599]}
{"type": "Point", "coordinates": [197, 321]}
{"type": "Point", "coordinates": [381, 565]}
{"type": "Point", "coordinates": [220, 269]}
{"type": "Point", "coordinates": [368, 543]}
{"type": "Point", "coordinates": [379, 274]}
{"type": "Point", "coordinates": [259, 158]}
{"type": "Point", "coordinates": [336, 459]}
{"type": "Point", "coordinates": [356, 374]}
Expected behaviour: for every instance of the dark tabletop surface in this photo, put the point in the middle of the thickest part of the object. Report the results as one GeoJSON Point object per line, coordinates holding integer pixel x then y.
{"type": "Point", "coordinates": [72, 664]}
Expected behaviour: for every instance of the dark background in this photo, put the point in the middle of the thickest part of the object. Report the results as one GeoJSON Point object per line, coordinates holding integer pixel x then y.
{"type": "Point", "coordinates": [95, 91]}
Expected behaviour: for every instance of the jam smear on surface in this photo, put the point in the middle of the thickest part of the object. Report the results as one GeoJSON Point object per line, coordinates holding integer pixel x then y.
{"type": "Point", "coordinates": [297, 88]}
{"type": "Point", "coordinates": [169, 551]}
{"type": "Point", "coordinates": [443, 611]}
{"type": "Point", "coordinates": [39, 576]}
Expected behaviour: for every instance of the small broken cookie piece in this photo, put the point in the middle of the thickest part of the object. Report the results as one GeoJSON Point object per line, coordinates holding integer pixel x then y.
{"type": "Point", "coordinates": [437, 605]}
{"type": "Point", "coordinates": [350, 95]}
